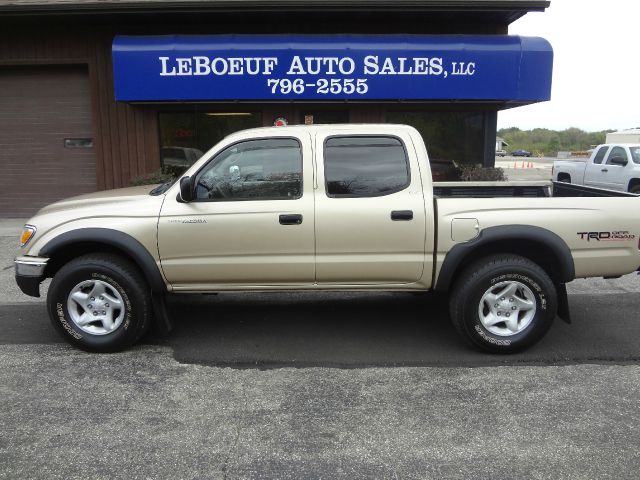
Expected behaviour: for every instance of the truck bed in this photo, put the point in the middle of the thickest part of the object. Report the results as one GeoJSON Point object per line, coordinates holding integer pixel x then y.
{"type": "Point", "coordinates": [520, 189]}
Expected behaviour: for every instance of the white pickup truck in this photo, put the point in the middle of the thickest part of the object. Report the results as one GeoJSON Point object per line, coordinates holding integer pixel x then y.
{"type": "Point", "coordinates": [321, 208]}
{"type": "Point", "coordinates": [611, 166]}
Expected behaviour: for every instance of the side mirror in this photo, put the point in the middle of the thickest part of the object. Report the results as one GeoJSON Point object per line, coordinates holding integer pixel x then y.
{"type": "Point", "coordinates": [186, 189]}
{"type": "Point", "coordinates": [618, 161]}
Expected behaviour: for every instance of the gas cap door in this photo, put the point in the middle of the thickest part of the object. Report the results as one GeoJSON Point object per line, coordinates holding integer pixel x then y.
{"type": "Point", "coordinates": [464, 229]}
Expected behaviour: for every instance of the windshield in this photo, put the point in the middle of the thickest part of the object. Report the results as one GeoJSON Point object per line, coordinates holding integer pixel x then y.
{"type": "Point", "coordinates": [635, 153]}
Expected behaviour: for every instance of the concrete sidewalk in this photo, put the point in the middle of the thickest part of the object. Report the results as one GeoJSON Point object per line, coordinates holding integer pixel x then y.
{"type": "Point", "coordinates": [11, 227]}
{"type": "Point", "coordinates": [527, 169]}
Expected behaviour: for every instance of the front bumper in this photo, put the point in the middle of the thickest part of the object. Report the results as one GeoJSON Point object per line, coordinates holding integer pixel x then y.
{"type": "Point", "coordinates": [29, 274]}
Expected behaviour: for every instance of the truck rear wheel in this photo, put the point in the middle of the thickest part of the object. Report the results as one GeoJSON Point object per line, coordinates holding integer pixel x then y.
{"type": "Point", "coordinates": [503, 303]}
{"type": "Point", "coordinates": [100, 303]}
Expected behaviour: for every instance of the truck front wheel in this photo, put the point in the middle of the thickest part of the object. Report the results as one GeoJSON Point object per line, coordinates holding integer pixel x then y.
{"type": "Point", "coordinates": [503, 303]}
{"type": "Point", "coordinates": [100, 302]}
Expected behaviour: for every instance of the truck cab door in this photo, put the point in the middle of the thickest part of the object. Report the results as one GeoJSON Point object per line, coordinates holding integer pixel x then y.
{"type": "Point", "coordinates": [616, 166]}
{"type": "Point", "coordinates": [596, 173]}
{"type": "Point", "coordinates": [370, 209]}
{"type": "Point", "coordinates": [251, 222]}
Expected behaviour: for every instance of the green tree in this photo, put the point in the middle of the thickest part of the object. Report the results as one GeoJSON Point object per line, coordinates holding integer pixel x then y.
{"type": "Point", "coordinates": [545, 142]}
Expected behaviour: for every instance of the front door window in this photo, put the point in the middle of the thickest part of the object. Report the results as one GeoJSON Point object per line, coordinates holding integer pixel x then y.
{"type": "Point", "coordinates": [266, 169]}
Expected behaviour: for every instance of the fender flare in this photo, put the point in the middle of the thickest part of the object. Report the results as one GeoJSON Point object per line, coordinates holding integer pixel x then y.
{"type": "Point", "coordinates": [512, 233]}
{"type": "Point", "coordinates": [129, 245]}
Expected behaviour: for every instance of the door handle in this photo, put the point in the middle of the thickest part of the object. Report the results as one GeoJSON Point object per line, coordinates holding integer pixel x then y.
{"type": "Point", "coordinates": [295, 219]}
{"type": "Point", "coordinates": [402, 215]}
{"type": "Point", "coordinates": [604, 170]}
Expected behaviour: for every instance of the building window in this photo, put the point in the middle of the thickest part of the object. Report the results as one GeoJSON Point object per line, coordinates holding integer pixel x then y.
{"type": "Point", "coordinates": [323, 117]}
{"type": "Point", "coordinates": [365, 166]}
{"type": "Point", "coordinates": [452, 138]}
{"type": "Point", "coordinates": [78, 143]}
{"type": "Point", "coordinates": [184, 136]}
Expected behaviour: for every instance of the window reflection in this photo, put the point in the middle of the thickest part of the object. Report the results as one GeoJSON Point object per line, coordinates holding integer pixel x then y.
{"type": "Point", "coordinates": [452, 138]}
{"type": "Point", "coordinates": [365, 166]}
{"type": "Point", "coordinates": [184, 136]}
{"type": "Point", "coordinates": [269, 169]}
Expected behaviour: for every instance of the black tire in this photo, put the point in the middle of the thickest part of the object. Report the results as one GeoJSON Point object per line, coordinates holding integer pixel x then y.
{"type": "Point", "coordinates": [488, 276]}
{"type": "Point", "coordinates": [635, 189]}
{"type": "Point", "coordinates": [564, 178]}
{"type": "Point", "coordinates": [121, 278]}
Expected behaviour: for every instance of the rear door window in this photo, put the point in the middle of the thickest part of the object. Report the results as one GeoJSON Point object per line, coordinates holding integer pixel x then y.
{"type": "Point", "coordinates": [600, 155]}
{"type": "Point", "coordinates": [365, 166]}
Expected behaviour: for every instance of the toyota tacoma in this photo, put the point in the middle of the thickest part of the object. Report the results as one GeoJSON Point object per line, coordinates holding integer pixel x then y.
{"type": "Point", "coordinates": [319, 208]}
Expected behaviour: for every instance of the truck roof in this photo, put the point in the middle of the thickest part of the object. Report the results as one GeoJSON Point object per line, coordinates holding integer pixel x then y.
{"type": "Point", "coordinates": [333, 127]}
{"type": "Point", "coordinates": [613, 144]}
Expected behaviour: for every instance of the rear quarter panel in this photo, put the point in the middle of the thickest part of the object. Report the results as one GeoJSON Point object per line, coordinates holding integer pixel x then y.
{"type": "Point", "coordinates": [572, 219]}
{"type": "Point", "coordinates": [575, 168]}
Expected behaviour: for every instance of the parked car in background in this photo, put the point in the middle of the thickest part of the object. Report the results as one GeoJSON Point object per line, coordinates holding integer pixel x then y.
{"type": "Point", "coordinates": [614, 166]}
{"type": "Point", "coordinates": [521, 153]}
{"type": "Point", "coordinates": [501, 153]}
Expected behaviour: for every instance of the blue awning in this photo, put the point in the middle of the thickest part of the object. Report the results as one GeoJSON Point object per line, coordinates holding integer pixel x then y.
{"type": "Point", "coordinates": [497, 68]}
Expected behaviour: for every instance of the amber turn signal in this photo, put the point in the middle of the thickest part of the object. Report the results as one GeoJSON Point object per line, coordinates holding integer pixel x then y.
{"type": "Point", "coordinates": [27, 234]}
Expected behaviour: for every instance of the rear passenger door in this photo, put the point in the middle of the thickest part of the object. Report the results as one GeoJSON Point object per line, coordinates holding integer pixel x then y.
{"type": "Point", "coordinates": [370, 211]}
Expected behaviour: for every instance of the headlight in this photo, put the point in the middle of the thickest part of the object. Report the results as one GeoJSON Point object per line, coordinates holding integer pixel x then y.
{"type": "Point", "coordinates": [27, 234]}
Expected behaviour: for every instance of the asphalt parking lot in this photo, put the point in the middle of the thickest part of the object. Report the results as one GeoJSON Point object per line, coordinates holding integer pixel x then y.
{"type": "Point", "coordinates": [526, 169]}
{"type": "Point", "coordinates": [322, 386]}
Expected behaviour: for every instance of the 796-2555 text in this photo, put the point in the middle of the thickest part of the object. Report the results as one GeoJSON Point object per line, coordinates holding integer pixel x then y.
{"type": "Point", "coordinates": [321, 86]}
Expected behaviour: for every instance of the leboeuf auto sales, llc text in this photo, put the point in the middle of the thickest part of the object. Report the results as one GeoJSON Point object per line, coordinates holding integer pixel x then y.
{"type": "Point", "coordinates": [200, 65]}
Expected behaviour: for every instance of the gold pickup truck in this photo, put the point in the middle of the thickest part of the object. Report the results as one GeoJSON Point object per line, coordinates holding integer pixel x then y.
{"type": "Point", "coordinates": [335, 207]}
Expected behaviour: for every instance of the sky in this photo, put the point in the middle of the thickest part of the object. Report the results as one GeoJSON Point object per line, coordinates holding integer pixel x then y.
{"type": "Point", "coordinates": [596, 66]}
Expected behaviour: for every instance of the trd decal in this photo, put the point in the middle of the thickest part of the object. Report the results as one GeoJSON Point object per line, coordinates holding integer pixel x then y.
{"type": "Point", "coordinates": [621, 236]}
